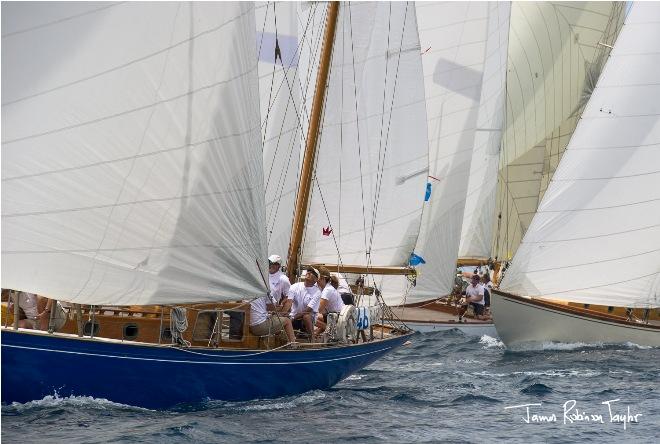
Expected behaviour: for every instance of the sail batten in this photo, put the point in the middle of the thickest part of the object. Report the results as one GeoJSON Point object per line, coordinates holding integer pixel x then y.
{"type": "Point", "coordinates": [596, 236]}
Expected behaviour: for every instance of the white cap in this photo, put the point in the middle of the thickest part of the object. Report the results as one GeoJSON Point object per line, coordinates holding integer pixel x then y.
{"type": "Point", "coordinates": [274, 259]}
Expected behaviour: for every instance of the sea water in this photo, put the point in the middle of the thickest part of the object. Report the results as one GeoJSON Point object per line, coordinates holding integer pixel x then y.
{"type": "Point", "coordinates": [444, 387]}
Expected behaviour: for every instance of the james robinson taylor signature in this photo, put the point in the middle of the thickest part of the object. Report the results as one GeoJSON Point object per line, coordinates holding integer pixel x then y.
{"type": "Point", "coordinates": [572, 414]}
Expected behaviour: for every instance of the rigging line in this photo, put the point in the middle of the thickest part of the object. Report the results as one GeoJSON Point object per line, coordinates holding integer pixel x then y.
{"type": "Point", "coordinates": [270, 93]}
{"type": "Point", "coordinates": [327, 215]}
{"type": "Point", "coordinates": [320, 134]}
{"type": "Point", "coordinates": [389, 123]}
{"type": "Point", "coordinates": [295, 54]}
{"type": "Point", "coordinates": [382, 124]}
{"type": "Point", "coordinates": [357, 125]}
{"type": "Point", "coordinates": [285, 70]}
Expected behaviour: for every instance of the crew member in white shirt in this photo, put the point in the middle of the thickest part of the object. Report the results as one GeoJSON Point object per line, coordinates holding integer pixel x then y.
{"type": "Point", "coordinates": [263, 323]}
{"type": "Point", "coordinates": [279, 282]}
{"type": "Point", "coordinates": [474, 295]}
{"type": "Point", "coordinates": [36, 310]}
{"type": "Point", "coordinates": [304, 299]}
{"type": "Point", "coordinates": [330, 301]}
{"type": "Point", "coordinates": [344, 289]}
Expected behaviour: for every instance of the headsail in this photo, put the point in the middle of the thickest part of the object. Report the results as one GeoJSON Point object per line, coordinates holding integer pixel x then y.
{"type": "Point", "coordinates": [453, 36]}
{"type": "Point", "coordinates": [596, 236]}
{"type": "Point", "coordinates": [372, 156]}
{"type": "Point", "coordinates": [477, 227]}
{"type": "Point", "coordinates": [132, 160]}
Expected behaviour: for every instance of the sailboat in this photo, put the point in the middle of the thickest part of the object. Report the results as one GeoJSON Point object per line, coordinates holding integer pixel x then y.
{"type": "Point", "coordinates": [486, 178]}
{"type": "Point", "coordinates": [133, 187]}
{"type": "Point", "coordinates": [594, 239]}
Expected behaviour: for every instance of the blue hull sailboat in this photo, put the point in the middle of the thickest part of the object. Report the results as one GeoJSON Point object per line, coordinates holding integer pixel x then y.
{"type": "Point", "coordinates": [134, 140]}
{"type": "Point", "coordinates": [35, 365]}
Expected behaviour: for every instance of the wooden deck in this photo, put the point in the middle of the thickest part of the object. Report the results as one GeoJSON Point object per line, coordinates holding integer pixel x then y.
{"type": "Point", "coordinates": [415, 314]}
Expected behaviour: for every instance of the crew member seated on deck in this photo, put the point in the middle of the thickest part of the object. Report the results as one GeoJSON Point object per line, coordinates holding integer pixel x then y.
{"type": "Point", "coordinates": [474, 296]}
{"type": "Point", "coordinates": [304, 301]}
{"type": "Point", "coordinates": [331, 301]}
{"type": "Point", "coordinates": [279, 282]}
{"type": "Point", "coordinates": [263, 324]}
{"type": "Point", "coordinates": [344, 289]}
{"type": "Point", "coordinates": [35, 311]}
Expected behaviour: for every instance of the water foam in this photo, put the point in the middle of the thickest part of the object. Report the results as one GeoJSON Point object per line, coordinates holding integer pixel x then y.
{"type": "Point", "coordinates": [55, 400]}
{"type": "Point", "coordinates": [490, 342]}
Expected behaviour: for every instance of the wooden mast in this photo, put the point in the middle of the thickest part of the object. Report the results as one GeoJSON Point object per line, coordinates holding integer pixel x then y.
{"type": "Point", "coordinates": [302, 201]}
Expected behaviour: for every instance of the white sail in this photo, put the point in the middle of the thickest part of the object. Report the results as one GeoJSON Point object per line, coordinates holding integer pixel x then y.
{"type": "Point", "coordinates": [596, 236]}
{"type": "Point", "coordinates": [554, 49]}
{"type": "Point", "coordinates": [477, 228]}
{"type": "Point", "coordinates": [371, 163]}
{"type": "Point", "coordinates": [279, 49]}
{"type": "Point", "coordinates": [131, 152]}
{"type": "Point", "coordinates": [453, 38]}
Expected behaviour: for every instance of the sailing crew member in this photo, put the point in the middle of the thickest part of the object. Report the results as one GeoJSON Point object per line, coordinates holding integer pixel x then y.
{"type": "Point", "coordinates": [304, 299]}
{"type": "Point", "coordinates": [344, 289]}
{"type": "Point", "coordinates": [279, 282]}
{"type": "Point", "coordinates": [264, 324]}
{"type": "Point", "coordinates": [488, 287]}
{"type": "Point", "coordinates": [330, 301]}
{"type": "Point", "coordinates": [474, 296]}
{"type": "Point", "coordinates": [36, 311]}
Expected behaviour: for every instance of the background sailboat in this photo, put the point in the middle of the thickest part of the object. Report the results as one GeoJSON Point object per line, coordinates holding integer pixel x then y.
{"type": "Point", "coordinates": [595, 237]}
{"type": "Point", "coordinates": [526, 56]}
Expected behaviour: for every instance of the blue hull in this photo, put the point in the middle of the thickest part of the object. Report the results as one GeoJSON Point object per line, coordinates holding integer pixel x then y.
{"type": "Point", "coordinates": [37, 365]}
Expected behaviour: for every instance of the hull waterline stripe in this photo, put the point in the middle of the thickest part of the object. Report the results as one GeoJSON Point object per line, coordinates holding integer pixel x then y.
{"type": "Point", "coordinates": [198, 362]}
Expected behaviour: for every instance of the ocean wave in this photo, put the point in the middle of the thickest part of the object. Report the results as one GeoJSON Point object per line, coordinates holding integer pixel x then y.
{"type": "Point", "coordinates": [561, 373]}
{"type": "Point", "coordinates": [537, 389]}
{"type": "Point", "coordinates": [472, 399]}
{"type": "Point", "coordinates": [55, 400]}
{"type": "Point", "coordinates": [490, 342]}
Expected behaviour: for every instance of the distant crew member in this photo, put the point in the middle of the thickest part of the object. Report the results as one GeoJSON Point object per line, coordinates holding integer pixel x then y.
{"type": "Point", "coordinates": [474, 296]}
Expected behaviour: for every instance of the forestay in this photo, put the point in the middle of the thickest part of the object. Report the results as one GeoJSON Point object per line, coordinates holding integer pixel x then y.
{"type": "Point", "coordinates": [371, 165]}
{"type": "Point", "coordinates": [132, 156]}
{"type": "Point", "coordinates": [596, 236]}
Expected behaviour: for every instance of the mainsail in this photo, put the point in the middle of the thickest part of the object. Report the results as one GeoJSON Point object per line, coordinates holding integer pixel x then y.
{"type": "Point", "coordinates": [596, 236]}
{"type": "Point", "coordinates": [371, 164]}
{"type": "Point", "coordinates": [555, 54]}
{"type": "Point", "coordinates": [132, 155]}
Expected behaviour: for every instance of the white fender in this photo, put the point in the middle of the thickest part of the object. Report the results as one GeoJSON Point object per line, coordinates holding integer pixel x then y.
{"type": "Point", "coordinates": [347, 324]}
